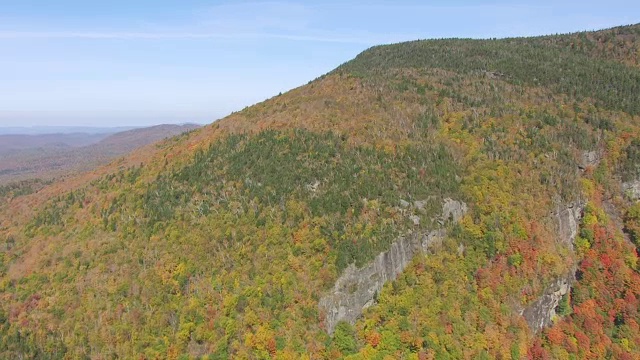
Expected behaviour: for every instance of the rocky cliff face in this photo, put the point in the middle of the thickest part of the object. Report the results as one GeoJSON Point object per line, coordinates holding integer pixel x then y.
{"type": "Point", "coordinates": [541, 313]}
{"type": "Point", "coordinates": [568, 220]}
{"type": "Point", "coordinates": [357, 288]}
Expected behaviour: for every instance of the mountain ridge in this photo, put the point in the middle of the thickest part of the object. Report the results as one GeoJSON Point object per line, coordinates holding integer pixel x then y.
{"type": "Point", "coordinates": [221, 242]}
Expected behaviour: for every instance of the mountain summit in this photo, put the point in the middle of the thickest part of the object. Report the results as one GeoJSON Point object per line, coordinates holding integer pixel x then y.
{"type": "Point", "coordinates": [438, 199]}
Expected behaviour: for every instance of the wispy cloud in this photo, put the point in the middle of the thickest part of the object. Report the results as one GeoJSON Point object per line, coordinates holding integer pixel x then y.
{"type": "Point", "coordinates": [184, 35]}
{"type": "Point", "coordinates": [275, 20]}
{"type": "Point", "coordinates": [333, 22]}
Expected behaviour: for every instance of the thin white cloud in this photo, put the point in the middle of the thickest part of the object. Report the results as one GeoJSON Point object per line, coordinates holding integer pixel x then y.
{"type": "Point", "coordinates": [185, 35]}
{"type": "Point", "coordinates": [275, 20]}
{"type": "Point", "coordinates": [270, 20]}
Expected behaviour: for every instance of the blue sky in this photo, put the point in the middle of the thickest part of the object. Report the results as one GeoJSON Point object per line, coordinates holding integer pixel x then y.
{"type": "Point", "coordinates": [142, 62]}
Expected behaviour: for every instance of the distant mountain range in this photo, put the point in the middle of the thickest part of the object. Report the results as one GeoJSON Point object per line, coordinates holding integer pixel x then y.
{"type": "Point", "coordinates": [46, 156]}
{"type": "Point", "coordinates": [10, 143]}
{"type": "Point", "coordinates": [40, 130]}
{"type": "Point", "coordinates": [436, 199]}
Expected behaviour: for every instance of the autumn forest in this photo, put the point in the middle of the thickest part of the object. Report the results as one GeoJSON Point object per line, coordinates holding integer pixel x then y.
{"type": "Point", "coordinates": [220, 242]}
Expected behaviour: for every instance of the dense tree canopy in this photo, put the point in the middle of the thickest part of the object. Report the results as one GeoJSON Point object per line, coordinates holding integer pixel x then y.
{"type": "Point", "coordinates": [219, 244]}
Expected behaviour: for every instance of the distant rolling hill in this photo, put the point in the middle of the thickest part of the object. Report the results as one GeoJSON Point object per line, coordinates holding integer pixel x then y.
{"type": "Point", "coordinates": [14, 143]}
{"type": "Point", "coordinates": [47, 130]}
{"type": "Point", "coordinates": [47, 156]}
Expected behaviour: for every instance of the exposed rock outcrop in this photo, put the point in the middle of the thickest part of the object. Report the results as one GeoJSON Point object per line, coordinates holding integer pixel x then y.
{"type": "Point", "coordinates": [632, 190]}
{"type": "Point", "coordinates": [357, 288]}
{"type": "Point", "coordinates": [453, 210]}
{"type": "Point", "coordinates": [568, 220]}
{"type": "Point", "coordinates": [590, 158]}
{"type": "Point", "coordinates": [542, 312]}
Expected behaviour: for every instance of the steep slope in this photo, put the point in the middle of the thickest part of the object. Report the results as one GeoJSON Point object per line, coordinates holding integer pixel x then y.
{"type": "Point", "coordinates": [222, 242]}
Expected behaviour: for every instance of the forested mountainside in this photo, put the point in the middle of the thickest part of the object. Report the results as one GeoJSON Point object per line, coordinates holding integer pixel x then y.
{"type": "Point", "coordinates": [221, 243]}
